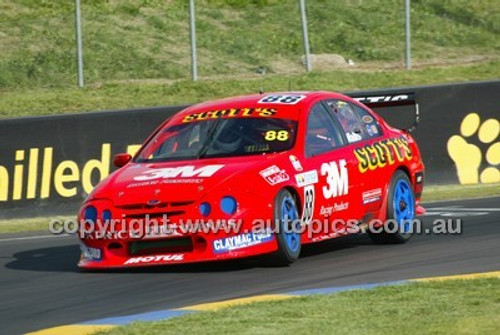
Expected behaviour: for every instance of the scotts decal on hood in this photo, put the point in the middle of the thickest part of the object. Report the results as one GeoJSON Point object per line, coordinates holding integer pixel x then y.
{"type": "Point", "coordinates": [187, 171]}
{"type": "Point", "coordinates": [230, 113]}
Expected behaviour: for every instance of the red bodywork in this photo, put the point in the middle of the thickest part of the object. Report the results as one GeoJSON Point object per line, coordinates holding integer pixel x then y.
{"type": "Point", "coordinates": [137, 189]}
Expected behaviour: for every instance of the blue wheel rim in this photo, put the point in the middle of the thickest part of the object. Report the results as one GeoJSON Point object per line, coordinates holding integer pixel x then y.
{"type": "Point", "coordinates": [403, 205]}
{"type": "Point", "coordinates": [289, 217]}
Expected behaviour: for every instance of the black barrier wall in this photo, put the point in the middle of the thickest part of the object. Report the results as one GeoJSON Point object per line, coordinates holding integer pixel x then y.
{"type": "Point", "coordinates": [49, 164]}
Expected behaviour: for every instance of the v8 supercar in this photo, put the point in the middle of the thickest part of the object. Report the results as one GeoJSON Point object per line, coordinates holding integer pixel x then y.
{"type": "Point", "coordinates": [254, 175]}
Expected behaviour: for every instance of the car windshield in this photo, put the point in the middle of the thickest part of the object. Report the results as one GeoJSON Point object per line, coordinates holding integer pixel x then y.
{"type": "Point", "coordinates": [220, 138]}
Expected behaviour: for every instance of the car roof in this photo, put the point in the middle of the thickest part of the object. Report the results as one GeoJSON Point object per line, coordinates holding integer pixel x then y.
{"type": "Point", "coordinates": [289, 111]}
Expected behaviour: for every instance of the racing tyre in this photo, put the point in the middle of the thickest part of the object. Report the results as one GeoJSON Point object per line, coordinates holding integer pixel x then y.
{"type": "Point", "coordinates": [286, 216]}
{"type": "Point", "coordinates": [400, 212]}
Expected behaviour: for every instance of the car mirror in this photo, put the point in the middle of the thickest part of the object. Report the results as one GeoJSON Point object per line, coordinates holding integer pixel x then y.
{"type": "Point", "coordinates": [121, 159]}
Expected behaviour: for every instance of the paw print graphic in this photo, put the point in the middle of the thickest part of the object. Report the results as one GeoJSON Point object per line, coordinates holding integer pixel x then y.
{"type": "Point", "coordinates": [468, 157]}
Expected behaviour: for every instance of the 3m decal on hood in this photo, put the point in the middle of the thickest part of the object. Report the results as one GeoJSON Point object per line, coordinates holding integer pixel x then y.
{"type": "Point", "coordinates": [188, 171]}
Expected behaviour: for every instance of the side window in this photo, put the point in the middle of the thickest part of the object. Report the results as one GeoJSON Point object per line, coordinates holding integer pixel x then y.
{"type": "Point", "coordinates": [371, 125]}
{"type": "Point", "coordinates": [357, 123]}
{"type": "Point", "coordinates": [351, 123]}
{"type": "Point", "coordinates": [322, 135]}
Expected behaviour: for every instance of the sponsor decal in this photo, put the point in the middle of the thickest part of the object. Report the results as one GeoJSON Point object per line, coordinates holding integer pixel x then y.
{"type": "Point", "coordinates": [337, 207]}
{"type": "Point", "coordinates": [155, 259]}
{"type": "Point", "coordinates": [382, 153]}
{"type": "Point", "coordinates": [383, 98]}
{"type": "Point", "coordinates": [374, 129]}
{"type": "Point", "coordinates": [90, 253]}
{"type": "Point", "coordinates": [187, 171]}
{"type": "Point", "coordinates": [337, 179]}
{"type": "Point", "coordinates": [274, 175]}
{"type": "Point", "coordinates": [230, 113]}
{"type": "Point", "coordinates": [289, 99]}
{"type": "Point", "coordinates": [228, 244]}
{"type": "Point", "coordinates": [295, 163]}
{"type": "Point", "coordinates": [372, 196]}
{"type": "Point", "coordinates": [353, 137]}
{"type": "Point", "coordinates": [306, 178]}
{"type": "Point", "coordinates": [308, 210]}
{"type": "Point", "coordinates": [367, 119]}
{"type": "Point", "coordinates": [419, 177]}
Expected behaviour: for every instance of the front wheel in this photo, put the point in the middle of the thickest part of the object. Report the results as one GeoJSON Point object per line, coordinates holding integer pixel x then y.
{"type": "Point", "coordinates": [286, 218]}
{"type": "Point", "coordinates": [400, 212]}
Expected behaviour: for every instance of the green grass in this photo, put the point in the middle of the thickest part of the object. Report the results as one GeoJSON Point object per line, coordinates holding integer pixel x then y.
{"type": "Point", "coordinates": [29, 224]}
{"type": "Point", "coordinates": [149, 39]}
{"type": "Point", "coordinates": [448, 307]}
{"type": "Point", "coordinates": [41, 101]}
{"type": "Point", "coordinates": [431, 193]}
{"type": "Point", "coordinates": [452, 192]}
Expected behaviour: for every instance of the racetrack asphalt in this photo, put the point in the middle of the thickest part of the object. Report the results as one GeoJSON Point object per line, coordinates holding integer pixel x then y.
{"type": "Point", "coordinates": [41, 287]}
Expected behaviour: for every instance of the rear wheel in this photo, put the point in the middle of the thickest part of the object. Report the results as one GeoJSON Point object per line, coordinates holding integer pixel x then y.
{"type": "Point", "coordinates": [400, 212]}
{"type": "Point", "coordinates": [286, 217]}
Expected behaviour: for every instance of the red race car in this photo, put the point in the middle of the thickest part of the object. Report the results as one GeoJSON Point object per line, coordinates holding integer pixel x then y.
{"type": "Point", "coordinates": [252, 175]}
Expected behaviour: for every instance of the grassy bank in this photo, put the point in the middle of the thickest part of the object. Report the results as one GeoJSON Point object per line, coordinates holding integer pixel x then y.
{"type": "Point", "coordinates": [132, 39]}
{"type": "Point", "coordinates": [448, 307]}
{"type": "Point", "coordinates": [42, 101]}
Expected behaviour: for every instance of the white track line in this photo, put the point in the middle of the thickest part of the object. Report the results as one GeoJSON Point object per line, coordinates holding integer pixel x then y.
{"type": "Point", "coordinates": [32, 237]}
{"type": "Point", "coordinates": [461, 209]}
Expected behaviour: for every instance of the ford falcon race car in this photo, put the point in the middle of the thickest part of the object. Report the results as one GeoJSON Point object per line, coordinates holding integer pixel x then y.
{"type": "Point", "coordinates": [256, 175]}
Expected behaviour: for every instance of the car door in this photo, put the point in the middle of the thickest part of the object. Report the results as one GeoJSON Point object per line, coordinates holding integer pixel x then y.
{"type": "Point", "coordinates": [330, 178]}
{"type": "Point", "coordinates": [362, 131]}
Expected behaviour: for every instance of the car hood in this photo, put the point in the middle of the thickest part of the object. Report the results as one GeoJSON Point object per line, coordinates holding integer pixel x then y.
{"type": "Point", "coordinates": [179, 181]}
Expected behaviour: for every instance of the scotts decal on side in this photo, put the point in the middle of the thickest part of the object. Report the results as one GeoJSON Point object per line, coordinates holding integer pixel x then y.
{"type": "Point", "coordinates": [230, 113]}
{"type": "Point", "coordinates": [155, 259]}
{"type": "Point", "coordinates": [274, 175]}
{"type": "Point", "coordinates": [187, 171]}
{"type": "Point", "coordinates": [382, 153]}
{"type": "Point", "coordinates": [289, 99]}
{"type": "Point", "coordinates": [337, 179]}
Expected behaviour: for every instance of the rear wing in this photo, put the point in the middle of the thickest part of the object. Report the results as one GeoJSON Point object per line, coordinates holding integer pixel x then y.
{"type": "Point", "coordinates": [388, 100]}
